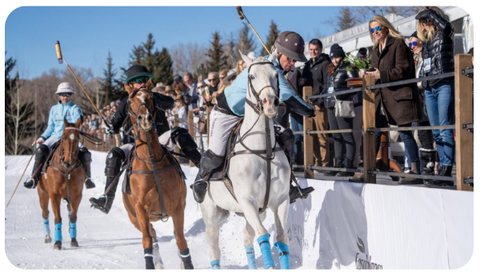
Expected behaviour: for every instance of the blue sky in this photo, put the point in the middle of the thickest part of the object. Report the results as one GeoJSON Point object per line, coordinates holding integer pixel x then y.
{"type": "Point", "coordinates": [87, 34]}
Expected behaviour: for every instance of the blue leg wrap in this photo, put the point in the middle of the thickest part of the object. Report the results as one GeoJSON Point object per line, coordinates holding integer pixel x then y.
{"type": "Point", "coordinates": [284, 255]}
{"type": "Point", "coordinates": [215, 264]}
{"type": "Point", "coordinates": [251, 257]}
{"type": "Point", "coordinates": [46, 227]}
{"type": "Point", "coordinates": [73, 230]}
{"type": "Point", "coordinates": [264, 243]}
{"type": "Point", "coordinates": [58, 232]}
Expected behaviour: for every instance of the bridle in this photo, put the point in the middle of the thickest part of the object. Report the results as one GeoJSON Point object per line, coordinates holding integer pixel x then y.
{"type": "Point", "coordinates": [135, 114]}
{"type": "Point", "coordinates": [63, 167]}
{"type": "Point", "coordinates": [258, 107]}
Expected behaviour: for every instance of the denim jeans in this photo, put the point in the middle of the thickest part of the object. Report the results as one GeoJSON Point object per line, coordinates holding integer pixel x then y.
{"type": "Point", "coordinates": [297, 125]}
{"type": "Point", "coordinates": [441, 111]}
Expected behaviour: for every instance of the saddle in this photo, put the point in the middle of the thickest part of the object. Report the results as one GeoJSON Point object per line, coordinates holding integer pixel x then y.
{"type": "Point", "coordinates": [127, 166]}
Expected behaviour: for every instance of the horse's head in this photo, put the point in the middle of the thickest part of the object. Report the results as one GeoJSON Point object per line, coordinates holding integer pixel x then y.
{"type": "Point", "coordinates": [141, 107]}
{"type": "Point", "coordinates": [69, 141]}
{"type": "Point", "coordinates": [262, 85]}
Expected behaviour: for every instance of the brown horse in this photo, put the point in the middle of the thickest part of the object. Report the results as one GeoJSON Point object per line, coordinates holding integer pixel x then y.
{"type": "Point", "coordinates": [157, 189]}
{"type": "Point", "coordinates": [63, 179]}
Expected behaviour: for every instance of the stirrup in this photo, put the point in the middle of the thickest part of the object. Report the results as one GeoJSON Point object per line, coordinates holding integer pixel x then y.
{"type": "Point", "coordinates": [30, 184]}
{"type": "Point", "coordinates": [89, 183]}
{"type": "Point", "coordinates": [200, 190]}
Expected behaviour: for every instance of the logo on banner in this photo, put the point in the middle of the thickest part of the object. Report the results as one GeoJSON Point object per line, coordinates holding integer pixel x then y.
{"type": "Point", "coordinates": [364, 263]}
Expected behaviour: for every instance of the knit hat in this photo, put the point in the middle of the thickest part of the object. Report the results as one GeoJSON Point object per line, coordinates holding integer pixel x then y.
{"type": "Point", "coordinates": [336, 51]}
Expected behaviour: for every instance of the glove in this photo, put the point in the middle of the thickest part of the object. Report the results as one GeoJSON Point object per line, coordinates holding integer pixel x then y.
{"type": "Point", "coordinates": [39, 141]}
{"type": "Point", "coordinates": [423, 14]}
{"type": "Point", "coordinates": [109, 129]}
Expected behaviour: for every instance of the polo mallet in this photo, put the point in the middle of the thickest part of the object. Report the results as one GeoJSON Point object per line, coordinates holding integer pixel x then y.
{"type": "Point", "coordinates": [29, 160]}
{"type": "Point", "coordinates": [60, 61]}
{"type": "Point", "coordinates": [242, 16]}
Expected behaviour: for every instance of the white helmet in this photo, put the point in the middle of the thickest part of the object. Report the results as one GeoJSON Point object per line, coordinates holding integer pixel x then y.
{"type": "Point", "coordinates": [65, 87]}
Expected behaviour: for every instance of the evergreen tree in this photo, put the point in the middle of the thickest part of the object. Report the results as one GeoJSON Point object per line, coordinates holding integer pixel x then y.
{"type": "Point", "coordinates": [164, 71]}
{"type": "Point", "coordinates": [108, 85]}
{"type": "Point", "coordinates": [19, 123]}
{"type": "Point", "coordinates": [245, 43]}
{"type": "Point", "coordinates": [216, 57]}
{"type": "Point", "coordinates": [272, 35]}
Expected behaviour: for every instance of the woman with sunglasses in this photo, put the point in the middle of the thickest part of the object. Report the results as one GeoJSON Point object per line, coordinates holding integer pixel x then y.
{"type": "Point", "coordinates": [65, 108]}
{"type": "Point", "coordinates": [435, 30]}
{"type": "Point", "coordinates": [395, 105]}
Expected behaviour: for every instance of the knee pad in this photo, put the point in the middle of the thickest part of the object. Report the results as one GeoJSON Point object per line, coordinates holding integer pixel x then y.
{"type": "Point", "coordinates": [41, 153]}
{"type": "Point", "coordinates": [184, 140]}
{"type": "Point", "coordinates": [115, 158]}
{"type": "Point", "coordinates": [85, 155]}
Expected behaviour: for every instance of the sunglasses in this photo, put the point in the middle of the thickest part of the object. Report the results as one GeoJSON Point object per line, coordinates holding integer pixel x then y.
{"type": "Point", "coordinates": [65, 94]}
{"type": "Point", "coordinates": [212, 79]}
{"type": "Point", "coordinates": [413, 44]}
{"type": "Point", "coordinates": [141, 80]}
{"type": "Point", "coordinates": [378, 29]}
{"type": "Point", "coordinates": [425, 20]}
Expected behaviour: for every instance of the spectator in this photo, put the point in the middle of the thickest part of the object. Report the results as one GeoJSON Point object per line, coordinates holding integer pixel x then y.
{"type": "Point", "coordinates": [240, 66]}
{"type": "Point", "coordinates": [191, 91]}
{"type": "Point", "coordinates": [211, 89]}
{"type": "Point", "coordinates": [315, 74]}
{"type": "Point", "coordinates": [180, 109]}
{"type": "Point", "coordinates": [437, 34]}
{"type": "Point", "coordinates": [159, 88]}
{"type": "Point", "coordinates": [397, 105]}
{"type": "Point", "coordinates": [344, 143]}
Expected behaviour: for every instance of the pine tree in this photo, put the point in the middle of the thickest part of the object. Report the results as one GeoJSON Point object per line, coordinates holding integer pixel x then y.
{"type": "Point", "coordinates": [217, 59]}
{"type": "Point", "coordinates": [245, 43]}
{"type": "Point", "coordinates": [272, 35]}
{"type": "Point", "coordinates": [108, 84]}
{"type": "Point", "coordinates": [164, 71]}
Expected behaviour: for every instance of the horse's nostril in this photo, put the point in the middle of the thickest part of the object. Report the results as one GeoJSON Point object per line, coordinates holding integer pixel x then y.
{"type": "Point", "coordinates": [276, 102]}
{"type": "Point", "coordinates": [149, 118]}
{"type": "Point", "coordinates": [140, 117]}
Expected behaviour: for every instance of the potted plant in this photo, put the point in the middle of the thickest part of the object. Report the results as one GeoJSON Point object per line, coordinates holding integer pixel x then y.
{"type": "Point", "coordinates": [359, 63]}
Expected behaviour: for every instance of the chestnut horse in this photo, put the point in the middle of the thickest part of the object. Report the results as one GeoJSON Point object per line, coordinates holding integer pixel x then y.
{"type": "Point", "coordinates": [63, 179]}
{"type": "Point", "coordinates": [157, 189]}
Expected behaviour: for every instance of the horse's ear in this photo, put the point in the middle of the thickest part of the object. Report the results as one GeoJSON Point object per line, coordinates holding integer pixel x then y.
{"type": "Point", "coordinates": [128, 88]}
{"type": "Point", "coordinates": [78, 123]}
{"type": "Point", "coordinates": [247, 60]}
{"type": "Point", "coordinates": [273, 56]}
{"type": "Point", "coordinates": [149, 84]}
{"type": "Point", "coordinates": [65, 122]}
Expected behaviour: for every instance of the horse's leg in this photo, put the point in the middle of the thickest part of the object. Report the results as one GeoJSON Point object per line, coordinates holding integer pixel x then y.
{"type": "Point", "coordinates": [157, 259]}
{"type": "Point", "coordinates": [43, 198]}
{"type": "Point", "coordinates": [248, 235]}
{"type": "Point", "coordinates": [281, 215]}
{"type": "Point", "coordinates": [212, 216]}
{"type": "Point", "coordinates": [254, 219]}
{"type": "Point", "coordinates": [55, 200]}
{"type": "Point", "coordinates": [144, 227]}
{"type": "Point", "coordinates": [178, 217]}
{"type": "Point", "coordinates": [73, 209]}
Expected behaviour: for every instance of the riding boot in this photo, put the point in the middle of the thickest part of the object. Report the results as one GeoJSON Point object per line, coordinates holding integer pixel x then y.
{"type": "Point", "coordinates": [86, 158]}
{"type": "Point", "coordinates": [210, 161]}
{"type": "Point", "coordinates": [41, 154]}
{"type": "Point", "coordinates": [428, 158]}
{"type": "Point", "coordinates": [297, 192]}
{"type": "Point", "coordinates": [349, 165]}
{"type": "Point", "coordinates": [337, 163]}
{"type": "Point", "coordinates": [184, 140]}
{"type": "Point", "coordinates": [114, 161]}
{"type": "Point", "coordinates": [411, 179]}
{"type": "Point", "coordinates": [444, 171]}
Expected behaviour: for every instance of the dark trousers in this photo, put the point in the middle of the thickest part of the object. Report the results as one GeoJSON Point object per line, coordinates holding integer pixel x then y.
{"type": "Point", "coordinates": [343, 143]}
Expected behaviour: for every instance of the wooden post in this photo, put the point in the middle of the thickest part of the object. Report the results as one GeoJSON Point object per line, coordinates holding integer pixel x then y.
{"type": "Point", "coordinates": [369, 154]}
{"type": "Point", "coordinates": [307, 138]}
{"type": "Point", "coordinates": [463, 115]}
{"type": "Point", "coordinates": [191, 129]}
{"type": "Point", "coordinates": [175, 124]}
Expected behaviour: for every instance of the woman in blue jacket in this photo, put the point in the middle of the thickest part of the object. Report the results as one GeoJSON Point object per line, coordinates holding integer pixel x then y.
{"type": "Point", "coordinates": [65, 108]}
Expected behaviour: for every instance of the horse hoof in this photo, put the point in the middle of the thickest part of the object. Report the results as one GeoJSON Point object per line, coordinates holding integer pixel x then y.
{"type": "Point", "coordinates": [57, 245]}
{"type": "Point", "coordinates": [48, 239]}
{"type": "Point", "coordinates": [74, 243]}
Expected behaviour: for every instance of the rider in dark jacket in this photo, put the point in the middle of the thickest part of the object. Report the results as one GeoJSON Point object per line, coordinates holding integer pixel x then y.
{"type": "Point", "coordinates": [137, 77]}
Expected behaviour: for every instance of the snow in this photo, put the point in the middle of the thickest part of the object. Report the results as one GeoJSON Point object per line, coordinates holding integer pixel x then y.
{"type": "Point", "coordinates": [110, 241]}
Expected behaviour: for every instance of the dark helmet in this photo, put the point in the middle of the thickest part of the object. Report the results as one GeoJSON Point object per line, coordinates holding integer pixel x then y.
{"type": "Point", "coordinates": [292, 45]}
{"type": "Point", "coordinates": [136, 71]}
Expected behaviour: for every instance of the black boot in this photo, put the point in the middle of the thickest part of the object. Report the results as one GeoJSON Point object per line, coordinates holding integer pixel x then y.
{"type": "Point", "coordinates": [444, 171]}
{"type": "Point", "coordinates": [297, 192]}
{"type": "Point", "coordinates": [337, 163]}
{"type": "Point", "coordinates": [349, 165]}
{"type": "Point", "coordinates": [86, 158]}
{"type": "Point", "coordinates": [114, 161]}
{"type": "Point", "coordinates": [184, 140]}
{"type": "Point", "coordinates": [41, 154]}
{"type": "Point", "coordinates": [194, 156]}
{"type": "Point", "coordinates": [210, 161]}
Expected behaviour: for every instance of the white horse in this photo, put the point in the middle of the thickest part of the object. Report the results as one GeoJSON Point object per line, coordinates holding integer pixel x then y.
{"type": "Point", "coordinates": [260, 177]}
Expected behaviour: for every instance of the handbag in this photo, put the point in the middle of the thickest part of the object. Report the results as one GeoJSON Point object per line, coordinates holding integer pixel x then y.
{"type": "Point", "coordinates": [344, 109]}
